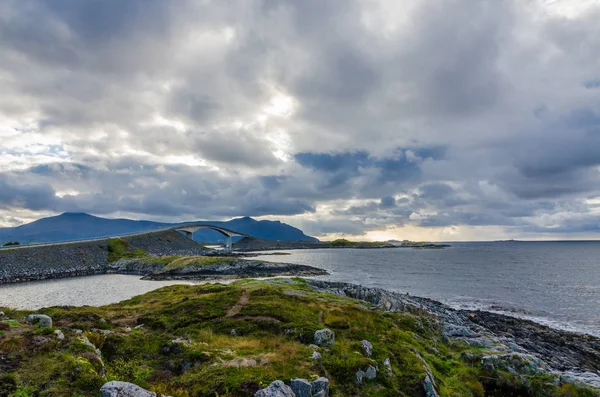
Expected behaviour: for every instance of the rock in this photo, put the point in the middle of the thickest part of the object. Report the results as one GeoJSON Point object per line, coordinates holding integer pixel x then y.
{"type": "Point", "coordinates": [314, 347]}
{"type": "Point", "coordinates": [78, 331]}
{"type": "Point", "coordinates": [301, 387]}
{"type": "Point", "coordinates": [316, 356]}
{"type": "Point", "coordinates": [367, 348]}
{"type": "Point", "coordinates": [321, 385]}
{"type": "Point", "coordinates": [452, 330]}
{"type": "Point", "coordinates": [233, 332]}
{"type": "Point", "coordinates": [359, 376]}
{"type": "Point", "coordinates": [2, 315]}
{"type": "Point", "coordinates": [324, 337]}
{"type": "Point", "coordinates": [42, 320]}
{"type": "Point", "coordinates": [185, 341]}
{"type": "Point", "coordinates": [320, 394]}
{"type": "Point", "coordinates": [124, 389]}
{"type": "Point", "coordinates": [371, 372]}
{"type": "Point", "coordinates": [388, 366]}
{"type": "Point", "coordinates": [127, 329]}
{"type": "Point", "coordinates": [59, 334]}
{"type": "Point", "coordinates": [275, 389]}
{"type": "Point", "coordinates": [429, 387]}
{"type": "Point", "coordinates": [139, 326]}
{"type": "Point", "coordinates": [103, 321]}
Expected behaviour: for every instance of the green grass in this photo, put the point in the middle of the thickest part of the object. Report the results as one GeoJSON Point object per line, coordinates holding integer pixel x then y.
{"type": "Point", "coordinates": [119, 248]}
{"type": "Point", "coordinates": [273, 329]}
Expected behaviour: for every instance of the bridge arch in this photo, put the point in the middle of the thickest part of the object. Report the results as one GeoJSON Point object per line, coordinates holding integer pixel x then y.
{"type": "Point", "coordinates": [189, 231]}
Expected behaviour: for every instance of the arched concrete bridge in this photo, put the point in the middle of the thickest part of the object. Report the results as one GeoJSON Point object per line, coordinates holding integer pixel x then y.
{"type": "Point", "coordinates": [190, 229]}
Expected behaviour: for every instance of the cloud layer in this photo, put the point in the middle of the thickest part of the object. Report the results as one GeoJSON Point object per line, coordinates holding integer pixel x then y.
{"type": "Point", "coordinates": [455, 119]}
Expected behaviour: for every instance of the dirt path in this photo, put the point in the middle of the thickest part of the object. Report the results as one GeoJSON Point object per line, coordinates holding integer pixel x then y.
{"type": "Point", "coordinates": [239, 305]}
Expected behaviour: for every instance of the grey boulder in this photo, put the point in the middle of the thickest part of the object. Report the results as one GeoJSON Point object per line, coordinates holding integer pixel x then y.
{"type": "Point", "coordinates": [301, 387]}
{"type": "Point", "coordinates": [320, 387]}
{"type": "Point", "coordinates": [367, 347]}
{"type": "Point", "coordinates": [275, 389]}
{"type": "Point", "coordinates": [42, 320]}
{"type": "Point", "coordinates": [324, 337]}
{"type": "Point", "coordinates": [124, 389]}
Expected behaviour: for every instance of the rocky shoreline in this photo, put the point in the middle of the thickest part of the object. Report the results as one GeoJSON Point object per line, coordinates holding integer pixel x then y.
{"type": "Point", "coordinates": [574, 356]}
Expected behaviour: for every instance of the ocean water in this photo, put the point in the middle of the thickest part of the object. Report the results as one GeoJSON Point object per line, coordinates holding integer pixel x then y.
{"type": "Point", "coordinates": [555, 283]}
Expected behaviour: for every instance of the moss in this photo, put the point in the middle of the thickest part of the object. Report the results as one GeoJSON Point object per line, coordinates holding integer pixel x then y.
{"type": "Point", "coordinates": [186, 348]}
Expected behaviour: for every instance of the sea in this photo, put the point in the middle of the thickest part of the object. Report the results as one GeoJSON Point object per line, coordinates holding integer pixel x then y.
{"type": "Point", "coordinates": [553, 283]}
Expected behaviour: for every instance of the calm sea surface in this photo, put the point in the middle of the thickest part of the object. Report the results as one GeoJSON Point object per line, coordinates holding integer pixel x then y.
{"type": "Point", "coordinates": [557, 283]}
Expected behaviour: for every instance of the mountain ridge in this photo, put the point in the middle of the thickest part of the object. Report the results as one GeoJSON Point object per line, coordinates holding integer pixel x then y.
{"type": "Point", "coordinates": [80, 225]}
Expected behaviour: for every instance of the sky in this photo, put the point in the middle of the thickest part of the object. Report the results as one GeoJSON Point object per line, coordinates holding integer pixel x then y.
{"type": "Point", "coordinates": [426, 120]}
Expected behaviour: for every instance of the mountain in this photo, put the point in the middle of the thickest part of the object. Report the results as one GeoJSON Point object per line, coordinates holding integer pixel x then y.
{"type": "Point", "coordinates": [78, 226]}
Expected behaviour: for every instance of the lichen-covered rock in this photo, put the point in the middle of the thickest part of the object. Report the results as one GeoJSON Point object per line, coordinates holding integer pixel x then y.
{"type": "Point", "coordinates": [301, 387]}
{"type": "Point", "coordinates": [41, 319]}
{"type": "Point", "coordinates": [324, 337]}
{"type": "Point", "coordinates": [452, 330]}
{"type": "Point", "coordinates": [429, 387]}
{"type": "Point", "coordinates": [59, 334]}
{"type": "Point", "coordinates": [371, 372]}
{"type": "Point", "coordinates": [124, 389]}
{"type": "Point", "coordinates": [388, 366]}
{"type": "Point", "coordinates": [316, 356]}
{"type": "Point", "coordinates": [275, 389]}
{"type": "Point", "coordinates": [321, 386]}
{"type": "Point", "coordinates": [367, 347]}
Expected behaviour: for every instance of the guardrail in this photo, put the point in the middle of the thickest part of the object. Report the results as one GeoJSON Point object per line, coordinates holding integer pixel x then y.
{"type": "Point", "coordinates": [90, 240]}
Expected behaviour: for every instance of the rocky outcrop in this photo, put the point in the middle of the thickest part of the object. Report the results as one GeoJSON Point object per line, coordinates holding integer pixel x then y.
{"type": "Point", "coordinates": [558, 351]}
{"type": "Point", "coordinates": [236, 268]}
{"type": "Point", "coordinates": [275, 389]}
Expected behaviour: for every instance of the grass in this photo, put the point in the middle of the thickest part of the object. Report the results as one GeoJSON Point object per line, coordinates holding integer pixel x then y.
{"type": "Point", "coordinates": [185, 261]}
{"type": "Point", "coordinates": [121, 249]}
{"type": "Point", "coordinates": [273, 329]}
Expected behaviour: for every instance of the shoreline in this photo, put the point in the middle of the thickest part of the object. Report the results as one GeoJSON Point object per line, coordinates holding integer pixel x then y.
{"type": "Point", "coordinates": [216, 278]}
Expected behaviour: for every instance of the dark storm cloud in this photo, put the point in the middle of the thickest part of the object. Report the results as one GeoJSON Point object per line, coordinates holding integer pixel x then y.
{"type": "Point", "coordinates": [361, 115]}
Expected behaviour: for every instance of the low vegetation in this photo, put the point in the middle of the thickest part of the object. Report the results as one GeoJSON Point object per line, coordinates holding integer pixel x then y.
{"type": "Point", "coordinates": [358, 244]}
{"type": "Point", "coordinates": [230, 340]}
{"type": "Point", "coordinates": [11, 243]}
{"type": "Point", "coordinates": [119, 248]}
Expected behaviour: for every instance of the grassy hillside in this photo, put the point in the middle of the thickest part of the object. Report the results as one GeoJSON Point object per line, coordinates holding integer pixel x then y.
{"type": "Point", "coordinates": [230, 340]}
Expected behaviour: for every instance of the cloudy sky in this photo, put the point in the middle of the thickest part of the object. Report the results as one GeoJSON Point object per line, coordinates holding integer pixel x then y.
{"type": "Point", "coordinates": [438, 120]}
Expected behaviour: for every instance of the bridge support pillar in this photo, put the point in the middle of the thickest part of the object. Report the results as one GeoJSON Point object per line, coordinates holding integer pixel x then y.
{"type": "Point", "coordinates": [228, 244]}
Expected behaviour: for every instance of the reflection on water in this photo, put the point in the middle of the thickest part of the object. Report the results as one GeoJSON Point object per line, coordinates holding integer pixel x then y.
{"type": "Point", "coordinates": [77, 291]}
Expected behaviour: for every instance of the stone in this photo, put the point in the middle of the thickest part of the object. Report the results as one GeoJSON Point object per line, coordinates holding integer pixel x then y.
{"type": "Point", "coordinates": [233, 332]}
{"type": "Point", "coordinates": [78, 331]}
{"type": "Point", "coordinates": [371, 372]}
{"type": "Point", "coordinates": [320, 394]}
{"type": "Point", "coordinates": [452, 330]}
{"type": "Point", "coordinates": [301, 387]}
{"type": "Point", "coordinates": [275, 389]}
{"type": "Point", "coordinates": [360, 374]}
{"type": "Point", "coordinates": [388, 366]}
{"type": "Point", "coordinates": [324, 337]}
{"type": "Point", "coordinates": [429, 387]}
{"type": "Point", "coordinates": [127, 329]}
{"type": "Point", "coordinates": [185, 341]}
{"type": "Point", "coordinates": [139, 326]}
{"type": "Point", "coordinates": [314, 347]}
{"type": "Point", "coordinates": [316, 356]}
{"type": "Point", "coordinates": [367, 348]}
{"type": "Point", "coordinates": [321, 385]}
{"type": "Point", "coordinates": [2, 315]}
{"type": "Point", "coordinates": [124, 389]}
{"type": "Point", "coordinates": [59, 334]}
{"type": "Point", "coordinates": [42, 320]}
